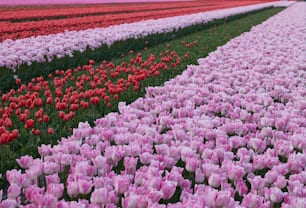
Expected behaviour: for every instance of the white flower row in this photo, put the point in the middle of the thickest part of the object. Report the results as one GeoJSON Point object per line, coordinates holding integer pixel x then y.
{"type": "Point", "coordinates": [45, 48]}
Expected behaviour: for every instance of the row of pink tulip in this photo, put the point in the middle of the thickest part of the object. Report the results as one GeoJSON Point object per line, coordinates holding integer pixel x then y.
{"type": "Point", "coordinates": [227, 133]}
{"type": "Point", "coordinates": [45, 48]}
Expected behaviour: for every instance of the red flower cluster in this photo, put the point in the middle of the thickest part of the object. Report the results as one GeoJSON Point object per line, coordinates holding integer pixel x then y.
{"type": "Point", "coordinates": [63, 11]}
{"type": "Point", "coordinates": [30, 107]}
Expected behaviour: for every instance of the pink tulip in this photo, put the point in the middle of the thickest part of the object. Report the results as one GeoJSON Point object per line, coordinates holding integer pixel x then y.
{"type": "Point", "coordinates": [257, 144]}
{"type": "Point", "coordinates": [8, 203]}
{"type": "Point", "coordinates": [99, 196]}
{"type": "Point", "coordinates": [14, 176]}
{"type": "Point", "coordinates": [100, 161]}
{"type": "Point", "coordinates": [168, 188]}
{"type": "Point", "coordinates": [192, 164]}
{"type": "Point", "coordinates": [66, 159]}
{"type": "Point", "coordinates": [44, 150]}
{"type": "Point", "coordinates": [85, 186]}
{"type": "Point", "coordinates": [162, 149]}
{"type": "Point", "coordinates": [50, 168]}
{"type": "Point", "coordinates": [56, 190]}
{"type": "Point", "coordinates": [155, 196]}
{"type": "Point", "coordinates": [276, 195]}
{"type": "Point", "coordinates": [36, 170]}
{"type": "Point", "coordinates": [13, 191]}
{"type": "Point", "coordinates": [113, 154]}
{"type": "Point", "coordinates": [235, 173]}
{"type": "Point", "coordinates": [257, 182]}
{"type": "Point", "coordinates": [46, 200]}
{"type": "Point", "coordinates": [271, 176]}
{"type": "Point", "coordinates": [31, 191]}
{"type": "Point", "coordinates": [295, 188]}
{"type": "Point", "coordinates": [210, 197]}
{"type": "Point", "coordinates": [223, 199]}
{"type": "Point", "coordinates": [72, 189]}
{"type": "Point", "coordinates": [145, 158]}
{"type": "Point", "coordinates": [25, 161]}
{"type": "Point", "coordinates": [84, 169]}
{"type": "Point", "coordinates": [241, 188]}
{"type": "Point", "coordinates": [131, 201]}
{"type": "Point", "coordinates": [121, 184]}
{"type": "Point", "coordinates": [281, 182]}
{"type": "Point", "coordinates": [54, 178]}
{"type": "Point", "coordinates": [214, 180]}
{"type": "Point", "coordinates": [199, 176]}
{"type": "Point", "coordinates": [252, 201]}
{"type": "Point", "coordinates": [130, 164]}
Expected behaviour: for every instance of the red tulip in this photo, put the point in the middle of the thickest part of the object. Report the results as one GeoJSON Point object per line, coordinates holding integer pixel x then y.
{"type": "Point", "coordinates": [46, 118]}
{"type": "Point", "coordinates": [37, 132]}
{"type": "Point", "coordinates": [8, 122]}
{"type": "Point", "coordinates": [61, 114]}
{"type": "Point", "coordinates": [29, 123]}
{"type": "Point", "coordinates": [84, 104]}
{"type": "Point", "coordinates": [50, 130]}
{"type": "Point", "coordinates": [23, 117]}
{"type": "Point", "coordinates": [49, 100]}
{"type": "Point", "coordinates": [74, 107]}
{"type": "Point", "coordinates": [95, 100]}
{"type": "Point", "coordinates": [92, 62]}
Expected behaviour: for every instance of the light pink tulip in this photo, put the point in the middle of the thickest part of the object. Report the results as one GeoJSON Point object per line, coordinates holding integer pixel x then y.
{"type": "Point", "coordinates": [100, 196]}
{"type": "Point", "coordinates": [56, 190]}
{"type": "Point", "coordinates": [168, 188]}
{"type": "Point", "coordinates": [8, 203]}
{"type": "Point", "coordinates": [276, 195]}
{"type": "Point", "coordinates": [25, 161]}
{"type": "Point", "coordinates": [72, 189]}
{"type": "Point", "coordinates": [13, 191]}
{"type": "Point", "coordinates": [85, 186]}
{"type": "Point", "coordinates": [121, 184]}
{"type": "Point", "coordinates": [214, 180]}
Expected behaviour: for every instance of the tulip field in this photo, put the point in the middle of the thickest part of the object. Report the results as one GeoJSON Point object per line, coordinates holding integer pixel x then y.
{"type": "Point", "coordinates": [161, 104]}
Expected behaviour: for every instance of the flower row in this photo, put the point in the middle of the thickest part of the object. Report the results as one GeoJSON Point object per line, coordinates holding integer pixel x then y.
{"type": "Point", "coordinates": [46, 13]}
{"type": "Point", "coordinates": [20, 30]}
{"type": "Point", "coordinates": [42, 103]}
{"type": "Point", "coordinates": [227, 133]}
{"type": "Point", "coordinates": [45, 48]}
{"type": "Point", "coordinates": [45, 27]}
{"type": "Point", "coordinates": [74, 2]}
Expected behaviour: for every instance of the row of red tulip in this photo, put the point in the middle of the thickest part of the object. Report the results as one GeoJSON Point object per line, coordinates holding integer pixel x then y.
{"type": "Point", "coordinates": [37, 106]}
{"type": "Point", "coordinates": [27, 29]}
{"type": "Point", "coordinates": [86, 10]}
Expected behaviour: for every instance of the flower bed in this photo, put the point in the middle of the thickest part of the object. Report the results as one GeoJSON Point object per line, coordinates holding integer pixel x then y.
{"type": "Point", "coordinates": [30, 108]}
{"type": "Point", "coordinates": [45, 27]}
{"type": "Point", "coordinates": [190, 47]}
{"type": "Point", "coordinates": [17, 14]}
{"type": "Point", "coordinates": [69, 2]}
{"type": "Point", "coordinates": [229, 132]}
{"type": "Point", "coordinates": [41, 49]}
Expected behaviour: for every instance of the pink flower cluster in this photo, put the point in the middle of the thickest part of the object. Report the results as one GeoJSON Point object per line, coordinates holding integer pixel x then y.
{"type": "Point", "coordinates": [227, 133]}
{"type": "Point", "coordinates": [45, 48]}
